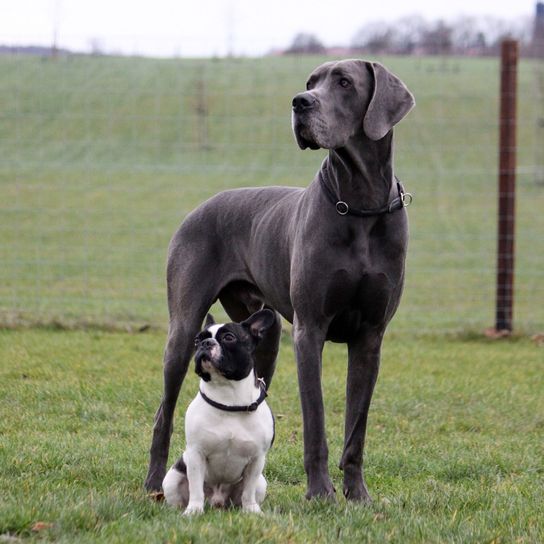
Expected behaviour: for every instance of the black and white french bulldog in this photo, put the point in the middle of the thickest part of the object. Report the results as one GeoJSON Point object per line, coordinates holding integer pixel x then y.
{"type": "Point", "coordinates": [229, 427]}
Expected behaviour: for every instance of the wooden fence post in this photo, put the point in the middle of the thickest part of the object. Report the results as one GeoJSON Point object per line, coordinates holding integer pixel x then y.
{"type": "Point", "coordinates": [507, 187]}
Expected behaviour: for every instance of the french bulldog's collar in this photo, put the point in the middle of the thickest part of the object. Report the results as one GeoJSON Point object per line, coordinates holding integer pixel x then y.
{"type": "Point", "coordinates": [249, 408]}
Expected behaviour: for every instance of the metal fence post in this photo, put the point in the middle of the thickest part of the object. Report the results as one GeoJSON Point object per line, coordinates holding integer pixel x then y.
{"type": "Point", "coordinates": [507, 187]}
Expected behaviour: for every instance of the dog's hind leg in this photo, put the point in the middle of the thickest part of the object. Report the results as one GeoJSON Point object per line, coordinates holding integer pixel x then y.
{"type": "Point", "coordinates": [176, 360]}
{"type": "Point", "coordinates": [237, 490]}
{"type": "Point", "coordinates": [186, 316]}
{"type": "Point", "coordinates": [266, 353]}
{"type": "Point", "coordinates": [176, 485]}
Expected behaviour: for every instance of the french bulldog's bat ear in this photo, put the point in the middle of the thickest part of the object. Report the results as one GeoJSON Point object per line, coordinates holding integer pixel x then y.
{"type": "Point", "coordinates": [209, 321]}
{"type": "Point", "coordinates": [259, 323]}
{"type": "Point", "coordinates": [391, 101]}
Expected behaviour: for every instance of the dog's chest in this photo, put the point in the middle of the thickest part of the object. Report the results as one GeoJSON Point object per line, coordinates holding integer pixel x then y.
{"type": "Point", "coordinates": [228, 441]}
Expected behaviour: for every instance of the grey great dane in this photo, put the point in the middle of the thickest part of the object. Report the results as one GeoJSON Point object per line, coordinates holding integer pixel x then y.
{"type": "Point", "coordinates": [328, 258]}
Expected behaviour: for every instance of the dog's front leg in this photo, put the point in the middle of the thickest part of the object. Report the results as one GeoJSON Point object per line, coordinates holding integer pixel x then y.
{"type": "Point", "coordinates": [309, 342]}
{"type": "Point", "coordinates": [196, 469]}
{"type": "Point", "coordinates": [363, 366]}
{"type": "Point", "coordinates": [252, 474]}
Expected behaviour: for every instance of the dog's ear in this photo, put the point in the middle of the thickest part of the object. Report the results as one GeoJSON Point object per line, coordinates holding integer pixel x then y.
{"type": "Point", "coordinates": [258, 323]}
{"type": "Point", "coordinates": [209, 321]}
{"type": "Point", "coordinates": [390, 102]}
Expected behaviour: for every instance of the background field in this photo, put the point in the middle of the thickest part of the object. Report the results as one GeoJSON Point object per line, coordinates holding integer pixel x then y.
{"type": "Point", "coordinates": [454, 450]}
{"type": "Point", "coordinates": [102, 158]}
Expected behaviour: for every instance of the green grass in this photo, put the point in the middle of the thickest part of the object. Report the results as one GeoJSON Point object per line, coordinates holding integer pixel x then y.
{"type": "Point", "coordinates": [101, 158]}
{"type": "Point", "coordinates": [454, 450]}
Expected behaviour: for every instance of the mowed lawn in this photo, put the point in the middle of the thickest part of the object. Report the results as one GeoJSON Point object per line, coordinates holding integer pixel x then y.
{"type": "Point", "coordinates": [454, 450]}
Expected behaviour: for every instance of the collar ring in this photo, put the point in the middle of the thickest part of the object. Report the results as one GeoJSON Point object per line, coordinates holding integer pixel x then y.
{"type": "Point", "coordinates": [342, 208]}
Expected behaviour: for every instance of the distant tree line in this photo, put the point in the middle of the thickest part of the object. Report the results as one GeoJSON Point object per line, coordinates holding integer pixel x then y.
{"type": "Point", "coordinates": [415, 35]}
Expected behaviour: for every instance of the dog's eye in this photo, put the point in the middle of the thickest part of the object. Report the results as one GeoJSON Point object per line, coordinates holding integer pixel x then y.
{"type": "Point", "coordinates": [344, 83]}
{"type": "Point", "coordinates": [310, 83]}
{"type": "Point", "coordinates": [197, 341]}
{"type": "Point", "coordinates": [229, 337]}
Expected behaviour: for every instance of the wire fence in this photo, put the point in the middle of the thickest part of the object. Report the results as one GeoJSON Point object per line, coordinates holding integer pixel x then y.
{"type": "Point", "coordinates": [102, 157]}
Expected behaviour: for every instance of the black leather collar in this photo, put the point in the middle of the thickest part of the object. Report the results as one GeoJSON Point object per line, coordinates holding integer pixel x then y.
{"type": "Point", "coordinates": [402, 201]}
{"type": "Point", "coordinates": [249, 408]}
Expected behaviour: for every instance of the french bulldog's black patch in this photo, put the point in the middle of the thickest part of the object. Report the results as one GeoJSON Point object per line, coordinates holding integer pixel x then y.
{"type": "Point", "coordinates": [229, 348]}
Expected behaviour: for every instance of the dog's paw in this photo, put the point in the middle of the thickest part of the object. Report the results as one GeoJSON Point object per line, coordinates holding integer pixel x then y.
{"type": "Point", "coordinates": [194, 510]}
{"type": "Point", "coordinates": [357, 495]}
{"type": "Point", "coordinates": [252, 508]}
{"type": "Point", "coordinates": [323, 490]}
{"type": "Point", "coordinates": [157, 496]}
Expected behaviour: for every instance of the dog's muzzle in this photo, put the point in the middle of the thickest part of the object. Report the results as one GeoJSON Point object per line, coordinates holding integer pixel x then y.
{"type": "Point", "coordinates": [304, 102]}
{"type": "Point", "coordinates": [304, 106]}
{"type": "Point", "coordinates": [209, 350]}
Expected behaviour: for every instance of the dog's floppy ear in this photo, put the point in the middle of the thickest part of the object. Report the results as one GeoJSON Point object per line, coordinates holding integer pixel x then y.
{"type": "Point", "coordinates": [259, 323]}
{"type": "Point", "coordinates": [209, 321]}
{"type": "Point", "coordinates": [391, 101]}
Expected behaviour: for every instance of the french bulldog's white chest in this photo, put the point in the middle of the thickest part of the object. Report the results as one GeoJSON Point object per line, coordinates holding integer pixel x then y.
{"type": "Point", "coordinates": [227, 440]}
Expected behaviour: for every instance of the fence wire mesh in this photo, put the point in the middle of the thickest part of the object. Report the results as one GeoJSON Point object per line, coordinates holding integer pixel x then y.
{"type": "Point", "coordinates": [102, 157]}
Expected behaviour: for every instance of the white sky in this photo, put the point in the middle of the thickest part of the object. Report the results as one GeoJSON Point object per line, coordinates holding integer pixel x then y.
{"type": "Point", "coordinates": [215, 27]}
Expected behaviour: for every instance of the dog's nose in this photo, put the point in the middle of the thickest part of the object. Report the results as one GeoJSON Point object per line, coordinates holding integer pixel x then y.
{"type": "Point", "coordinates": [303, 102]}
{"type": "Point", "coordinates": [208, 343]}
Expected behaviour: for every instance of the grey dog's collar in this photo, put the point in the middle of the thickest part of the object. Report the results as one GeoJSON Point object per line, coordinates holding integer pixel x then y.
{"type": "Point", "coordinates": [402, 201]}
{"type": "Point", "coordinates": [249, 408]}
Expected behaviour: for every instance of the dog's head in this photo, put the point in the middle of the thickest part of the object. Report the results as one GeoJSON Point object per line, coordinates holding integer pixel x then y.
{"type": "Point", "coordinates": [348, 98]}
{"type": "Point", "coordinates": [226, 350]}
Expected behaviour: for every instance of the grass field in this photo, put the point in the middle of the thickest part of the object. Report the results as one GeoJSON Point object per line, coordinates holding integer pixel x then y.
{"type": "Point", "coordinates": [454, 450]}
{"type": "Point", "coordinates": [102, 157]}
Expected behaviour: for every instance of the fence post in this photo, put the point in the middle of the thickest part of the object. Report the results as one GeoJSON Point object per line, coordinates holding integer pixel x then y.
{"type": "Point", "coordinates": [507, 187]}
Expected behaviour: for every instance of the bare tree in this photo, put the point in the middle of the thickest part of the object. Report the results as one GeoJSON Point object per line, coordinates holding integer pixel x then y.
{"type": "Point", "coordinates": [463, 36]}
{"type": "Point", "coordinates": [374, 38]}
{"type": "Point", "coordinates": [468, 36]}
{"type": "Point", "coordinates": [496, 30]}
{"type": "Point", "coordinates": [307, 44]}
{"type": "Point", "coordinates": [407, 33]}
{"type": "Point", "coordinates": [437, 39]}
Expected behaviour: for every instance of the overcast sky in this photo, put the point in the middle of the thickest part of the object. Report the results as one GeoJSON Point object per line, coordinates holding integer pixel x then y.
{"type": "Point", "coordinates": [215, 27]}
